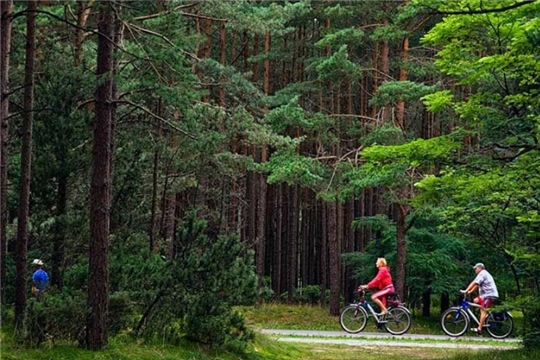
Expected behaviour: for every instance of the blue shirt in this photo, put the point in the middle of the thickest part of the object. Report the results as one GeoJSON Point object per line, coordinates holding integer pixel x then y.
{"type": "Point", "coordinates": [40, 279]}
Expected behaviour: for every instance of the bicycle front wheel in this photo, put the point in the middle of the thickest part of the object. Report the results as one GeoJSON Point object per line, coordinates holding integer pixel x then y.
{"type": "Point", "coordinates": [353, 319]}
{"type": "Point", "coordinates": [500, 327]}
{"type": "Point", "coordinates": [454, 321]}
{"type": "Point", "coordinates": [398, 320]}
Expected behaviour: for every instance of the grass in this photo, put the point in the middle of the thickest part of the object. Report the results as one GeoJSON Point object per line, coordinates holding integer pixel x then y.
{"type": "Point", "coordinates": [282, 316]}
{"type": "Point", "coordinates": [264, 347]}
{"type": "Point", "coordinates": [304, 317]}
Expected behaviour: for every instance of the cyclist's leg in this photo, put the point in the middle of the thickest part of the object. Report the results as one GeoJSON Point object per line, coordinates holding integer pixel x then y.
{"type": "Point", "coordinates": [484, 305]}
{"type": "Point", "coordinates": [380, 298]}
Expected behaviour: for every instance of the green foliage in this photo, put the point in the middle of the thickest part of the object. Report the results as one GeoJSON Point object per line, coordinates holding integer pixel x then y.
{"type": "Point", "coordinates": [392, 92]}
{"type": "Point", "coordinates": [201, 284]}
{"type": "Point", "coordinates": [288, 166]}
{"type": "Point", "coordinates": [438, 101]}
{"type": "Point", "coordinates": [339, 37]}
{"type": "Point", "coordinates": [531, 341]}
{"type": "Point", "coordinates": [59, 317]}
{"type": "Point", "coordinates": [337, 66]}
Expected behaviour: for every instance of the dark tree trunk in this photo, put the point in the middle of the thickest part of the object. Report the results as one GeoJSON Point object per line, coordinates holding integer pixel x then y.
{"type": "Point", "coordinates": [26, 166]}
{"type": "Point", "coordinates": [426, 303]}
{"type": "Point", "coordinates": [278, 252]}
{"type": "Point", "coordinates": [6, 8]}
{"type": "Point", "coordinates": [100, 191]}
{"type": "Point", "coordinates": [292, 235]}
{"type": "Point", "coordinates": [57, 258]}
{"type": "Point", "coordinates": [153, 205]}
{"type": "Point", "coordinates": [445, 301]}
{"type": "Point", "coordinates": [324, 253]}
{"type": "Point", "coordinates": [260, 241]}
{"type": "Point", "coordinates": [334, 261]}
{"type": "Point", "coordinates": [401, 249]}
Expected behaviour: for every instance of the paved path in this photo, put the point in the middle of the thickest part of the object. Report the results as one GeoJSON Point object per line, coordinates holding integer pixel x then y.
{"type": "Point", "coordinates": [388, 340]}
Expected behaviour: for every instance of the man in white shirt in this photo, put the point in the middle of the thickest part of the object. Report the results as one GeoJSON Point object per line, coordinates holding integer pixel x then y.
{"type": "Point", "coordinates": [487, 292]}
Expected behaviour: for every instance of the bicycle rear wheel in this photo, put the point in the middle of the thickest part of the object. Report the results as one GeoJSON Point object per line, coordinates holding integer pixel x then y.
{"type": "Point", "coordinates": [398, 320]}
{"type": "Point", "coordinates": [499, 327]}
{"type": "Point", "coordinates": [353, 319]}
{"type": "Point", "coordinates": [454, 321]}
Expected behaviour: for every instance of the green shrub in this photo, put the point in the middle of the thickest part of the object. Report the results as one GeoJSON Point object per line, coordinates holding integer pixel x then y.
{"type": "Point", "coordinates": [532, 340]}
{"type": "Point", "coordinates": [199, 287]}
{"type": "Point", "coordinates": [59, 316]}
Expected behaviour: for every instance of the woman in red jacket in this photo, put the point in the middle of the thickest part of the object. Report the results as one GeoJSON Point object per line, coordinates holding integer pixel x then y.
{"type": "Point", "coordinates": [383, 282]}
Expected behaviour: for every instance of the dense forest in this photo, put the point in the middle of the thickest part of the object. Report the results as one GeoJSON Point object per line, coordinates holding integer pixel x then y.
{"type": "Point", "coordinates": [171, 159]}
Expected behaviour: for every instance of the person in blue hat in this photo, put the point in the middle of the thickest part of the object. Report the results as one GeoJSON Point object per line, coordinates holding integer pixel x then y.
{"type": "Point", "coordinates": [40, 279]}
{"type": "Point", "coordinates": [487, 293]}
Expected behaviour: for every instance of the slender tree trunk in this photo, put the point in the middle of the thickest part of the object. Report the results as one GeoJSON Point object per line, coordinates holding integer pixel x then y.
{"type": "Point", "coordinates": [445, 301]}
{"type": "Point", "coordinates": [57, 258]}
{"type": "Point", "coordinates": [334, 262]}
{"type": "Point", "coordinates": [260, 242]}
{"type": "Point", "coordinates": [292, 235]}
{"type": "Point", "coordinates": [153, 205]}
{"type": "Point", "coordinates": [324, 253]}
{"type": "Point", "coordinates": [277, 255]}
{"type": "Point", "coordinates": [6, 8]}
{"type": "Point", "coordinates": [83, 11]}
{"type": "Point", "coordinates": [100, 190]}
{"type": "Point", "coordinates": [401, 249]}
{"type": "Point", "coordinates": [426, 303]}
{"type": "Point", "coordinates": [400, 112]}
{"type": "Point", "coordinates": [26, 166]}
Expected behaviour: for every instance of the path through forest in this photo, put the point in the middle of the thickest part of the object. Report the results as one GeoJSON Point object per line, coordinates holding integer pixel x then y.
{"type": "Point", "coordinates": [369, 339]}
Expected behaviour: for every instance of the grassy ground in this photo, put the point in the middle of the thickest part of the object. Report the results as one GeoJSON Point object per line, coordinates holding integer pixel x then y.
{"type": "Point", "coordinates": [265, 347]}
{"type": "Point", "coordinates": [281, 316]}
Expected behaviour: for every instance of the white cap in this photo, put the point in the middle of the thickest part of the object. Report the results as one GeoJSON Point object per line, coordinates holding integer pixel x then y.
{"type": "Point", "coordinates": [479, 265]}
{"type": "Point", "coordinates": [37, 262]}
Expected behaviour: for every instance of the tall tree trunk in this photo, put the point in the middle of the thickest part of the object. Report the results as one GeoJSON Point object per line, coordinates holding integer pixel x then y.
{"type": "Point", "coordinates": [6, 8]}
{"type": "Point", "coordinates": [292, 235]}
{"type": "Point", "coordinates": [277, 254]}
{"type": "Point", "coordinates": [334, 262]}
{"type": "Point", "coordinates": [401, 249]}
{"type": "Point", "coordinates": [400, 112]}
{"type": "Point", "coordinates": [260, 241]}
{"type": "Point", "coordinates": [100, 190]}
{"type": "Point", "coordinates": [83, 11]}
{"type": "Point", "coordinates": [426, 302]}
{"type": "Point", "coordinates": [57, 258]}
{"type": "Point", "coordinates": [26, 166]}
{"type": "Point", "coordinates": [324, 253]}
{"type": "Point", "coordinates": [153, 205]}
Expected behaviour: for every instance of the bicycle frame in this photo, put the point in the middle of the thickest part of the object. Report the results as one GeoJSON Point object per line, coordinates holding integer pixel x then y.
{"type": "Point", "coordinates": [466, 306]}
{"type": "Point", "coordinates": [354, 317]}
{"type": "Point", "coordinates": [367, 305]}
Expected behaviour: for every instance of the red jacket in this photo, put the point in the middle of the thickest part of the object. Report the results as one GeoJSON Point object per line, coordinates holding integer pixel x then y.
{"type": "Point", "coordinates": [382, 280]}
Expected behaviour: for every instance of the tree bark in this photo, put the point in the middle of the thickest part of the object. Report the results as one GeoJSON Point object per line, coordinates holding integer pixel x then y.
{"type": "Point", "coordinates": [26, 167]}
{"type": "Point", "coordinates": [400, 111]}
{"type": "Point", "coordinates": [292, 235]}
{"type": "Point", "coordinates": [83, 11]}
{"type": "Point", "coordinates": [100, 190]}
{"type": "Point", "coordinates": [401, 249]}
{"type": "Point", "coordinates": [6, 8]}
{"type": "Point", "coordinates": [334, 262]}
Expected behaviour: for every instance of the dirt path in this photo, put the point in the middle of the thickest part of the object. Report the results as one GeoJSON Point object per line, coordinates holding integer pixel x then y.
{"type": "Point", "coordinates": [388, 340]}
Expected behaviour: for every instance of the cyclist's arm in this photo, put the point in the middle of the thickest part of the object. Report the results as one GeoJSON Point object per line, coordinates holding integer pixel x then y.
{"type": "Point", "coordinates": [471, 288]}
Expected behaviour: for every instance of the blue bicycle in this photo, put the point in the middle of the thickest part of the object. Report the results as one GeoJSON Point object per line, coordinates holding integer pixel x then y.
{"type": "Point", "coordinates": [456, 320]}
